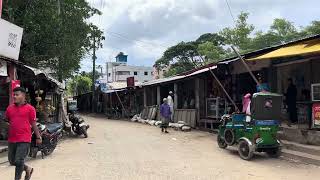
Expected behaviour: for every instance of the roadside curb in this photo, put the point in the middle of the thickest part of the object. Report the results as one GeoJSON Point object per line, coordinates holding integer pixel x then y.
{"type": "Point", "coordinates": [301, 157]}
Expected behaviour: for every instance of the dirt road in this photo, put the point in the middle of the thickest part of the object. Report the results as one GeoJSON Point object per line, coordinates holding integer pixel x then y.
{"type": "Point", "coordinates": [125, 150]}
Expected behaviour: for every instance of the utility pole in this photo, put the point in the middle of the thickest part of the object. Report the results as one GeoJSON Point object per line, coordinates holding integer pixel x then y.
{"type": "Point", "coordinates": [93, 72]}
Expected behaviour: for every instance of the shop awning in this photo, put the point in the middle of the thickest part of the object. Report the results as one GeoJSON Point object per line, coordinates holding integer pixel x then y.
{"type": "Point", "coordinates": [50, 78]}
{"type": "Point", "coordinates": [301, 48]}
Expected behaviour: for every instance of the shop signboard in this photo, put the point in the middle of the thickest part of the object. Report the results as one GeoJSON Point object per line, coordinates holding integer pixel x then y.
{"type": "Point", "coordinates": [104, 87]}
{"type": "Point", "coordinates": [316, 115]}
{"type": "Point", "coordinates": [3, 68]}
{"type": "Point", "coordinates": [10, 39]}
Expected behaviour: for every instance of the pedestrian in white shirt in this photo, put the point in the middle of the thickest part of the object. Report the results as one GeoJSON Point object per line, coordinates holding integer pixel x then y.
{"type": "Point", "coordinates": [171, 104]}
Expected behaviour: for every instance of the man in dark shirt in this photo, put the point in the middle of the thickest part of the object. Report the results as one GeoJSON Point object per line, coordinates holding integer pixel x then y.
{"type": "Point", "coordinates": [291, 101]}
{"type": "Point", "coordinates": [21, 117]}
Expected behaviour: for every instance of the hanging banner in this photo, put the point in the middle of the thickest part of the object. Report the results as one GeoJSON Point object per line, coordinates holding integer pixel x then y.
{"type": "Point", "coordinates": [10, 39]}
{"type": "Point", "coordinates": [316, 114]}
{"type": "Point", "coordinates": [3, 68]}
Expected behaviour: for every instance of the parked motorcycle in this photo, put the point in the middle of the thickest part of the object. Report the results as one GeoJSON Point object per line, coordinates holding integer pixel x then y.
{"type": "Point", "coordinates": [50, 133]}
{"type": "Point", "coordinates": [78, 124]}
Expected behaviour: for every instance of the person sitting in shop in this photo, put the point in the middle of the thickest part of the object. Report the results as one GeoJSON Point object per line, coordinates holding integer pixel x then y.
{"type": "Point", "coordinates": [262, 86]}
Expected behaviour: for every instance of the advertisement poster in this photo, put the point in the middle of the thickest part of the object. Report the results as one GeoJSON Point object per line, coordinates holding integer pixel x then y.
{"type": "Point", "coordinates": [10, 39]}
{"type": "Point", "coordinates": [316, 114]}
{"type": "Point", "coordinates": [14, 84]}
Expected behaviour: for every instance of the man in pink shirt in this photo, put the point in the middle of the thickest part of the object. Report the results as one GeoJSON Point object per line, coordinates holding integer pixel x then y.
{"type": "Point", "coordinates": [21, 117]}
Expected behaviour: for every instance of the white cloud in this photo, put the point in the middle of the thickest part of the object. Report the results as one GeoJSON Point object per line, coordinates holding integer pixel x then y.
{"type": "Point", "coordinates": [142, 28]}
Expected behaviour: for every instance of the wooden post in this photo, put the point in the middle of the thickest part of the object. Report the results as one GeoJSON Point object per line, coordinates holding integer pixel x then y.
{"type": "Point", "coordinates": [197, 98]}
{"type": "Point", "coordinates": [158, 96]}
{"type": "Point", "coordinates": [145, 97]}
{"type": "Point", "coordinates": [175, 98]}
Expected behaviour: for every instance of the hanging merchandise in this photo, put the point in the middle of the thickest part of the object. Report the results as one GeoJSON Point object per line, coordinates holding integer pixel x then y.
{"type": "Point", "coordinates": [316, 115]}
{"type": "Point", "coordinates": [38, 99]}
{"type": "Point", "coordinates": [3, 68]}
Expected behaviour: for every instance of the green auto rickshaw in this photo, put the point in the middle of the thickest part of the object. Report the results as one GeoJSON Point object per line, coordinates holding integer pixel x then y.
{"type": "Point", "coordinates": [254, 133]}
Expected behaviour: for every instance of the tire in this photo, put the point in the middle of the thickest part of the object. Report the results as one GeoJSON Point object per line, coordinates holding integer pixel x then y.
{"type": "Point", "coordinates": [51, 147]}
{"type": "Point", "coordinates": [221, 142]}
{"type": "Point", "coordinates": [78, 130]}
{"type": "Point", "coordinates": [48, 151]}
{"type": "Point", "coordinates": [229, 137]}
{"type": "Point", "coordinates": [245, 151]}
{"type": "Point", "coordinates": [274, 153]}
{"type": "Point", "coordinates": [84, 131]}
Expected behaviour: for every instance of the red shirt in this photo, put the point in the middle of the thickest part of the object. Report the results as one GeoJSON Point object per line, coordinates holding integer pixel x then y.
{"type": "Point", "coordinates": [20, 119]}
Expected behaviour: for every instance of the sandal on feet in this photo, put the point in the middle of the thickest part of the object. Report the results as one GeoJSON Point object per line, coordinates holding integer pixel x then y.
{"type": "Point", "coordinates": [28, 174]}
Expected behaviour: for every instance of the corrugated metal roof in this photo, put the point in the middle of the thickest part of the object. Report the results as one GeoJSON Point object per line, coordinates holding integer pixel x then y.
{"type": "Point", "coordinates": [117, 85]}
{"type": "Point", "coordinates": [113, 90]}
{"type": "Point", "coordinates": [174, 78]}
{"type": "Point", "coordinates": [201, 71]}
{"type": "Point", "coordinates": [162, 80]}
{"type": "Point", "coordinates": [50, 78]}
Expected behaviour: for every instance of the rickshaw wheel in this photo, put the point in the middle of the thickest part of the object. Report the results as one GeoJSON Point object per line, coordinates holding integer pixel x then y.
{"type": "Point", "coordinates": [221, 142]}
{"type": "Point", "coordinates": [244, 150]}
{"type": "Point", "coordinates": [229, 137]}
{"type": "Point", "coordinates": [274, 153]}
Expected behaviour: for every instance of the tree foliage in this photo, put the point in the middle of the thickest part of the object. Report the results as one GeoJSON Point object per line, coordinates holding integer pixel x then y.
{"type": "Point", "coordinates": [187, 55]}
{"type": "Point", "coordinates": [79, 85]}
{"type": "Point", "coordinates": [56, 35]}
{"type": "Point", "coordinates": [213, 47]}
{"type": "Point", "coordinates": [89, 74]}
{"type": "Point", "coordinates": [239, 36]}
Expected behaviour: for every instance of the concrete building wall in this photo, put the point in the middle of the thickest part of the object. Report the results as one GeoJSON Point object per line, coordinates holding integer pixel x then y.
{"type": "Point", "coordinates": [120, 72]}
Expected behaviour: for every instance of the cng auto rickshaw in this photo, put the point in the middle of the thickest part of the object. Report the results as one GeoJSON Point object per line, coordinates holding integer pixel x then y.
{"type": "Point", "coordinates": [259, 134]}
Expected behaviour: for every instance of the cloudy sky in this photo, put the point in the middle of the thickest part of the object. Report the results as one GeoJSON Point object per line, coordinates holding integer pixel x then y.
{"type": "Point", "coordinates": [143, 29]}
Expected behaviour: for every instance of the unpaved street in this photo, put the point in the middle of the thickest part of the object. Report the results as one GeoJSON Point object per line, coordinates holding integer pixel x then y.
{"type": "Point", "coordinates": [125, 150]}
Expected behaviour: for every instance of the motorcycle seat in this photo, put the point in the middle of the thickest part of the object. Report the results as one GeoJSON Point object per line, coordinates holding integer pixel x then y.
{"type": "Point", "coordinates": [54, 127]}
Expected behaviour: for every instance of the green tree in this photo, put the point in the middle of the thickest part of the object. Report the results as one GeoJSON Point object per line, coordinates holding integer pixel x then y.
{"type": "Point", "coordinates": [55, 35]}
{"type": "Point", "coordinates": [89, 74]}
{"type": "Point", "coordinates": [284, 30]}
{"type": "Point", "coordinates": [313, 28]}
{"type": "Point", "coordinates": [182, 57]}
{"type": "Point", "coordinates": [263, 40]}
{"type": "Point", "coordinates": [239, 36]}
{"type": "Point", "coordinates": [79, 85]}
{"type": "Point", "coordinates": [188, 55]}
{"type": "Point", "coordinates": [210, 52]}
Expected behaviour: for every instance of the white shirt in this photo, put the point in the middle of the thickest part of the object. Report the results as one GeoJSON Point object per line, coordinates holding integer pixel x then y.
{"type": "Point", "coordinates": [170, 101]}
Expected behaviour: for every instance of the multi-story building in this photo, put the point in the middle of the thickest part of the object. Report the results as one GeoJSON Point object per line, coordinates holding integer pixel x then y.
{"type": "Point", "coordinates": [119, 71]}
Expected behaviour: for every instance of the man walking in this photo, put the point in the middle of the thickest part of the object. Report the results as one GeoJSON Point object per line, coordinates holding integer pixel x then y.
{"type": "Point", "coordinates": [291, 101]}
{"type": "Point", "coordinates": [171, 104]}
{"type": "Point", "coordinates": [21, 117]}
{"type": "Point", "coordinates": [165, 113]}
